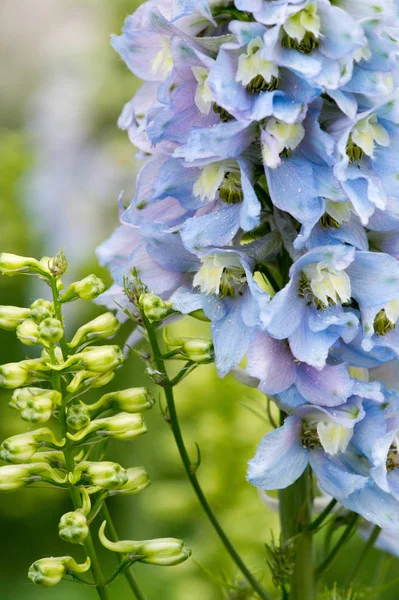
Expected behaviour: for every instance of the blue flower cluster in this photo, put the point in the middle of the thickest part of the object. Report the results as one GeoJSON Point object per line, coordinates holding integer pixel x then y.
{"type": "Point", "coordinates": [269, 199]}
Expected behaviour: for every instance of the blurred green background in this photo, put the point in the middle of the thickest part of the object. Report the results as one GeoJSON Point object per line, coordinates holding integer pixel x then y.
{"type": "Point", "coordinates": [63, 162]}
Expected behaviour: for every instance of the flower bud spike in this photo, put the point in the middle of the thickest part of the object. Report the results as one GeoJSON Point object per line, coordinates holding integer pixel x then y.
{"type": "Point", "coordinates": [12, 316]}
{"type": "Point", "coordinates": [28, 332]}
{"type": "Point", "coordinates": [105, 475]}
{"type": "Point", "coordinates": [73, 527]}
{"type": "Point", "coordinates": [15, 375]}
{"type": "Point", "coordinates": [41, 309]}
{"type": "Point", "coordinates": [19, 448]}
{"type": "Point", "coordinates": [154, 308]}
{"type": "Point", "coordinates": [137, 481]}
{"type": "Point", "coordinates": [131, 400]}
{"type": "Point", "coordinates": [102, 327]}
{"type": "Point", "coordinates": [123, 426]}
{"type": "Point", "coordinates": [47, 572]}
{"type": "Point", "coordinates": [35, 404]}
{"type": "Point", "coordinates": [78, 416]}
{"type": "Point", "coordinates": [164, 552]}
{"type": "Point", "coordinates": [50, 331]}
{"type": "Point", "coordinates": [13, 477]}
{"type": "Point", "coordinates": [87, 289]}
{"type": "Point", "coordinates": [83, 380]}
{"type": "Point", "coordinates": [12, 264]}
{"type": "Point", "coordinates": [99, 359]}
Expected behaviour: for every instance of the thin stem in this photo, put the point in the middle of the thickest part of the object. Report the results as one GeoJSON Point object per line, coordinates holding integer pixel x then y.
{"type": "Point", "coordinates": [175, 426]}
{"type": "Point", "coordinates": [345, 537]}
{"type": "Point", "coordinates": [295, 503]}
{"type": "Point", "coordinates": [323, 515]}
{"type": "Point", "coordinates": [367, 547]}
{"type": "Point", "coordinates": [68, 452]}
{"type": "Point", "coordinates": [126, 570]}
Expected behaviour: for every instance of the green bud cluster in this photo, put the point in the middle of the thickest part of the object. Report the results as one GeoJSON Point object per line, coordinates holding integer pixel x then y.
{"type": "Point", "coordinates": [51, 388]}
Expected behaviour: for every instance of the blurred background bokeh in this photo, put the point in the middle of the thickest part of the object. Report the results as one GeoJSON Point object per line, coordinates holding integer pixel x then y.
{"type": "Point", "coordinates": [63, 162]}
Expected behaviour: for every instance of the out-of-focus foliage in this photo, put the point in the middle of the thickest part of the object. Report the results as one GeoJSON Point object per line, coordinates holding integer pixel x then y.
{"type": "Point", "coordinates": [212, 411]}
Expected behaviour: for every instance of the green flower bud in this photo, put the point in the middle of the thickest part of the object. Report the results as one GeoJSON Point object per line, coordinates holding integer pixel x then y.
{"type": "Point", "coordinates": [73, 527]}
{"type": "Point", "coordinates": [13, 477]}
{"type": "Point", "coordinates": [104, 326]}
{"type": "Point", "coordinates": [82, 380]}
{"type": "Point", "coordinates": [14, 375]}
{"type": "Point", "coordinates": [41, 309]}
{"type": "Point", "coordinates": [123, 426]}
{"type": "Point", "coordinates": [19, 448]}
{"type": "Point", "coordinates": [164, 552]}
{"type": "Point", "coordinates": [137, 480]}
{"type": "Point", "coordinates": [50, 330]}
{"type": "Point", "coordinates": [53, 458]}
{"type": "Point", "coordinates": [105, 474]}
{"type": "Point", "coordinates": [50, 571]}
{"type": "Point", "coordinates": [99, 359]}
{"type": "Point", "coordinates": [88, 288]}
{"type": "Point", "coordinates": [154, 308]}
{"type": "Point", "coordinates": [58, 264]}
{"type": "Point", "coordinates": [132, 400]}
{"type": "Point", "coordinates": [12, 316]}
{"type": "Point", "coordinates": [28, 332]}
{"type": "Point", "coordinates": [78, 416]}
{"type": "Point", "coordinates": [35, 404]}
{"type": "Point", "coordinates": [197, 350]}
{"type": "Point", "coordinates": [12, 264]}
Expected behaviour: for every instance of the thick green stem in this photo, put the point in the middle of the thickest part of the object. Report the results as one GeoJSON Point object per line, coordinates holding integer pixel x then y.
{"type": "Point", "coordinates": [295, 515]}
{"type": "Point", "coordinates": [190, 471]}
{"type": "Point", "coordinates": [134, 586]}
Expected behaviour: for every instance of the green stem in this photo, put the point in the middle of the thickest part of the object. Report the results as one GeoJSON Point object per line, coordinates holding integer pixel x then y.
{"type": "Point", "coordinates": [367, 547]}
{"type": "Point", "coordinates": [345, 537]}
{"type": "Point", "coordinates": [175, 426]}
{"type": "Point", "coordinates": [295, 504]}
{"type": "Point", "coordinates": [68, 453]}
{"type": "Point", "coordinates": [322, 516]}
{"type": "Point", "coordinates": [127, 572]}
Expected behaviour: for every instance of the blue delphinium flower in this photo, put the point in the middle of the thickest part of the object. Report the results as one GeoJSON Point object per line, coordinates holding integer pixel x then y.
{"type": "Point", "coordinates": [269, 199]}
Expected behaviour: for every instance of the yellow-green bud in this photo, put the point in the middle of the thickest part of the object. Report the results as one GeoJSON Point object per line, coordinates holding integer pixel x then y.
{"type": "Point", "coordinates": [78, 416]}
{"type": "Point", "coordinates": [50, 330]}
{"type": "Point", "coordinates": [154, 308]}
{"type": "Point", "coordinates": [99, 359]}
{"type": "Point", "coordinates": [12, 264]}
{"type": "Point", "coordinates": [164, 552]}
{"type": "Point", "coordinates": [19, 448]}
{"type": "Point", "coordinates": [123, 426]}
{"type": "Point", "coordinates": [53, 458]}
{"type": "Point", "coordinates": [50, 571]}
{"type": "Point", "coordinates": [73, 527]}
{"type": "Point", "coordinates": [132, 400]}
{"type": "Point", "coordinates": [28, 332]}
{"type": "Point", "coordinates": [137, 480]}
{"type": "Point", "coordinates": [13, 477]}
{"type": "Point", "coordinates": [41, 309]}
{"type": "Point", "coordinates": [105, 474]}
{"type": "Point", "coordinates": [12, 316]}
{"type": "Point", "coordinates": [58, 264]}
{"type": "Point", "coordinates": [85, 379]}
{"type": "Point", "coordinates": [14, 375]}
{"type": "Point", "coordinates": [104, 326]}
{"type": "Point", "coordinates": [35, 404]}
{"type": "Point", "coordinates": [88, 288]}
{"type": "Point", "coordinates": [197, 350]}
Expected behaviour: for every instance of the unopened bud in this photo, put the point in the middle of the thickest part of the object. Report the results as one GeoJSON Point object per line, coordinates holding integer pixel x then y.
{"type": "Point", "coordinates": [12, 316]}
{"type": "Point", "coordinates": [82, 380]}
{"type": "Point", "coordinates": [78, 416]}
{"type": "Point", "coordinates": [88, 288]}
{"type": "Point", "coordinates": [164, 552]}
{"type": "Point", "coordinates": [58, 264]}
{"type": "Point", "coordinates": [132, 400]}
{"type": "Point", "coordinates": [28, 332]}
{"type": "Point", "coordinates": [50, 571]}
{"type": "Point", "coordinates": [41, 309]}
{"type": "Point", "coordinates": [13, 477]}
{"type": "Point", "coordinates": [123, 426]}
{"type": "Point", "coordinates": [19, 448]}
{"type": "Point", "coordinates": [50, 330]}
{"type": "Point", "coordinates": [73, 527]}
{"type": "Point", "coordinates": [14, 375]}
{"type": "Point", "coordinates": [137, 481]}
{"type": "Point", "coordinates": [105, 474]}
{"type": "Point", "coordinates": [198, 350]}
{"type": "Point", "coordinates": [12, 264]}
{"type": "Point", "coordinates": [35, 404]}
{"type": "Point", "coordinates": [154, 308]}
{"type": "Point", "coordinates": [99, 359]}
{"type": "Point", "coordinates": [102, 327]}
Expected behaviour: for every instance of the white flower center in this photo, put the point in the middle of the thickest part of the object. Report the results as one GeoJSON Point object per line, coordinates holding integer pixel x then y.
{"type": "Point", "coordinates": [203, 95]}
{"type": "Point", "coordinates": [209, 277]}
{"type": "Point", "coordinates": [280, 136]}
{"type": "Point", "coordinates": [367, 132]}
{"type": "Point", "coordinates": [251, 64]}
{"type": "Point", "coordinates": [333, 437]}
{"type": "Point", "coordinates": [340, 211]}
{"type": "Point", "coordinates": [162, 64]}
{"type": "Point", "coordinates": [303, 21]}
{"type": "Point", "coordinates": [207, 185]}
{"type": "Point", "coordinates": [328, 283]}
